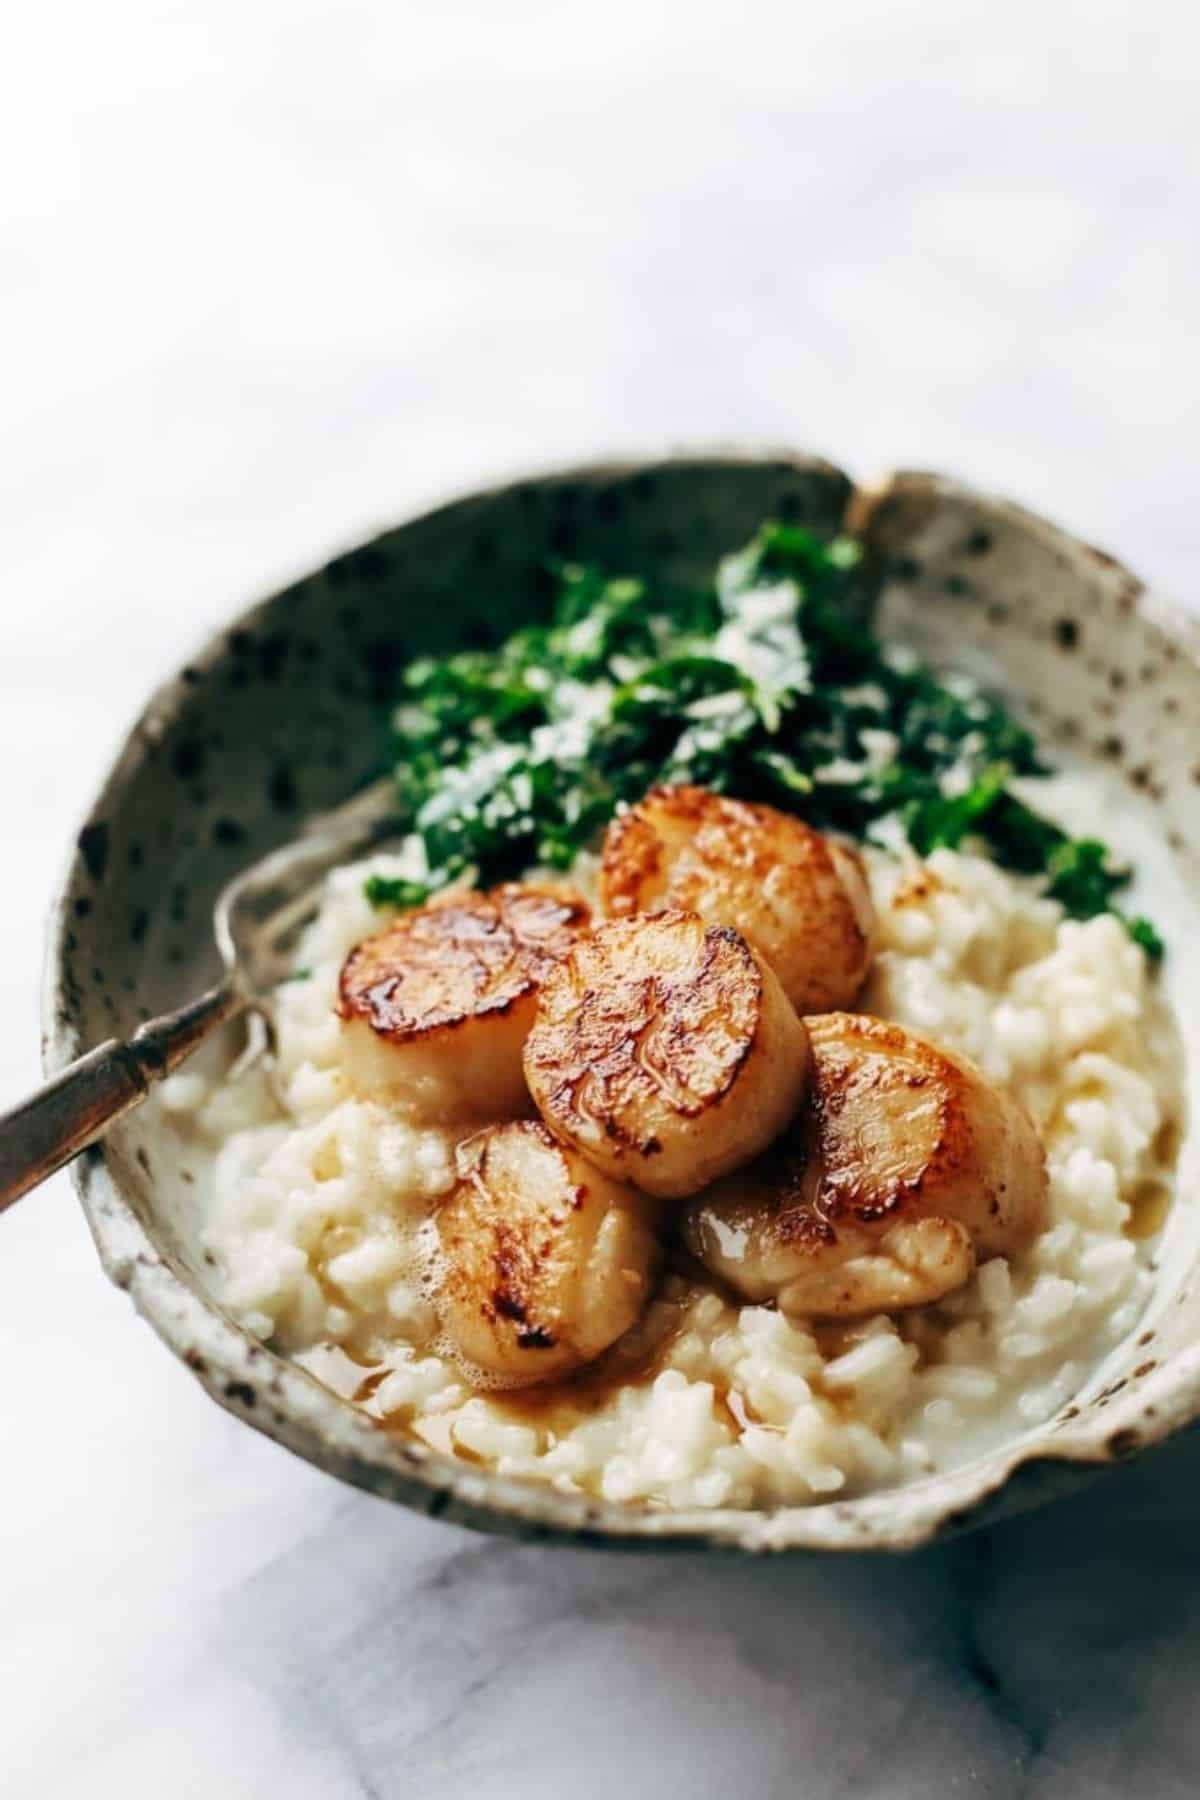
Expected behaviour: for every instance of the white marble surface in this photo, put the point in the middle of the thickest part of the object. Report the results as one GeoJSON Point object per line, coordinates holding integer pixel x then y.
{"type": "Point", "coordinates": [270, 274]}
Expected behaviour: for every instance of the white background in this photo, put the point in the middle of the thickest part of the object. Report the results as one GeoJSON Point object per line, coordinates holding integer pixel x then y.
{"type": "Point", "coordinates": [271, 275]}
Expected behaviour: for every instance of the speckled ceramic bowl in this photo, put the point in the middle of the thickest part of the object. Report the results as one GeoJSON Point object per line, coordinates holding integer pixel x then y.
{"type": "Point", "coordinates": [281, 715]}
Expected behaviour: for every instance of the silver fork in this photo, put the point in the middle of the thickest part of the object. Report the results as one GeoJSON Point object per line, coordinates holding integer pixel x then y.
{"type": "Point", "coordinates": [256, 920]}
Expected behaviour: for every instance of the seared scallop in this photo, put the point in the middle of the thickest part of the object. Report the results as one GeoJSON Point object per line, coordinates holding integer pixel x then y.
{"type": "Point", "coordinates": [905, 1167]}
{"type": "Point", "coordinates": [545, 1261]}
{"type": "Point", "coordinates": [436, 1008]}
{"type": "Point", "coordinates": [665, 1051]}
{"type": "Point", "coordinates": [799, 897]}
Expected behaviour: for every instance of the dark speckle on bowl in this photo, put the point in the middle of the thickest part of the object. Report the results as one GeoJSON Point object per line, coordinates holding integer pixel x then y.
{"type": "Point", "coordinates": [282, 789]}
{"type": "Point", "coordinates": [564, 536]}
{"type": "Point", "coordinates": [383, 659]}
{"type": "Point", "coordinates": [187, 759]}
{"type": "Point", "coordinates": [93, 847]}
{"type": "Point", "coordinates": [610, 503]}
{"type": "Point", "coordinates": [272, 654]}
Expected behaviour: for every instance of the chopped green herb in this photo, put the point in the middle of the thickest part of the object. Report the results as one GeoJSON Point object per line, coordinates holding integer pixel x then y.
{"type": "Point", "coordinates": [768, 685]}
{"type": "Point", "coordinates": [385, 890]}
{"type": "Point", "coordinates": [1082, 877]}
{"type": "Point", "coordinates": [945, 820]}
{"type": "Point", "coordinates": [1142, 932]}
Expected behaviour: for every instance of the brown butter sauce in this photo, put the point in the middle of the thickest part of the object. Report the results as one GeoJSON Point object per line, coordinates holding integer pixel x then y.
{"type": "Point", "coordinates": [1149, 1205]}
{"type": "Point", "coordinates": [552, 1408]}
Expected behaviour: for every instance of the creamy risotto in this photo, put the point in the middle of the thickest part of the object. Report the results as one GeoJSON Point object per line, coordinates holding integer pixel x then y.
{"type": "Point", "coordinates": [321, 1207]}
{"type": "Point", "coordinates": [801, 1125]}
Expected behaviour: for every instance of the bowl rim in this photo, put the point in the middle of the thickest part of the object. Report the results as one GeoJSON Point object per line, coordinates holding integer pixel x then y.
{"type": "Point", "coordinates": [282, 1401]}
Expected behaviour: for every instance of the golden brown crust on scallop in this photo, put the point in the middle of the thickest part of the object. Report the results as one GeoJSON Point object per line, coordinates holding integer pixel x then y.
{"type": "Point", "coordinates": [631, 861]}
{"type": "Point", "coordinates": [648, 1031]}
{"type": "Point", "coordinates": [904, 1167]}
{"type": "Point", "coordinates": [466, 956]}
{"type": "Point", "coordinates": [889, 1106]}
{"type": "Point", "coordinates": [545, 1261]}
{"type": "Point", "coordinates": [610, 1038]}
{"type": "Point", "coordinates": [799, 897]}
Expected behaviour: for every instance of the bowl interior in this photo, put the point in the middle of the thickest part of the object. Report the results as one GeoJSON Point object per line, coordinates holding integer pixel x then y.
{"type": "Point", "coordinates": [285, 714]}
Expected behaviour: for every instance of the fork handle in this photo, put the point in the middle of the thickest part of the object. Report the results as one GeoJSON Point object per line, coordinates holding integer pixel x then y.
{"type": "Point", "coordinates": [77, 1107]}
